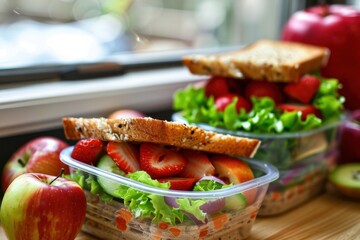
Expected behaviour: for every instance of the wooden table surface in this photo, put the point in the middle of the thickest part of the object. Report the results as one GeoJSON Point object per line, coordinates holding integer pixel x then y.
{"type": "Point", "coordinates": [328, 216]}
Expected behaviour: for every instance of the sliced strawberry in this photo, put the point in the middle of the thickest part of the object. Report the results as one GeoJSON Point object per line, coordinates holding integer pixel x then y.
{"type": "Point", "coordinates": [216, 86]}
{"type": "Point", "coordinates": [223, 101]}
{"type": "Point", "coordinates": [264, 89]}
{"type": "Point", "coordinates": [125, 155]}
{"type": "Point", "coordinates": [236, 85]}
{"type": "Point", "coordinates": [304, 109]}
{"type": "Point", "coordinates": [198, 165]}
{"type": "Point", "coordinates": [179, 183]}
{"type": "Point", "coordinates": [231, 170]}
{"type": "Point", "coordinates": [303, 90]}
{"type": "Point", "coordinates": [159, 161]}
{"type": "Point", "coordinates": [88, 150]}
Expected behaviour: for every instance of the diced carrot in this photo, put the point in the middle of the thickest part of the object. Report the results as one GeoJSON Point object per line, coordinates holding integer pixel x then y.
{"type": "Point", "coordinates": [175, 231]}
{"type": "Point", "coordinates": [126, 214]}
{"type": "Point", "coordinates": [121, 224]}
{"type": "Point", "coordinates": [122, 218]}
{"type": "Point", "coordinates": [163, 225]}
{"type": "Point", "coordinates": [204, 232]}
{"type": "Point", "coordinates": [276, 195]}
{"type": "Point", "coordinates": [220, 220]}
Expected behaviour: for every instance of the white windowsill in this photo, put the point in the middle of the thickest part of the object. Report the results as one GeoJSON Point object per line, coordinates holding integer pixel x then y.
{"type": "Point", "coordinates": [38, 107]}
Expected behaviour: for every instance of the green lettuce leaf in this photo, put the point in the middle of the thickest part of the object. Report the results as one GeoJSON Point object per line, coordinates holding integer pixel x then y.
{"type": "Point", "coordinates": [143, 204]}
{"type": "Point", "coordinates": [328, 100]}
{"type": "Point", "coordinates": [208, 185]}
{"type": "Point", "coordinates": [193, 207]}
{"type": "Point", "coordinates": [88, 182]}
{"type": "Point", "coordinates": [264, 117]}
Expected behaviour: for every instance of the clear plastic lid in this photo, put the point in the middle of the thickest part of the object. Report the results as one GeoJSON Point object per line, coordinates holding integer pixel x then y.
{"type": "Point", "coordinates": [267, 172]}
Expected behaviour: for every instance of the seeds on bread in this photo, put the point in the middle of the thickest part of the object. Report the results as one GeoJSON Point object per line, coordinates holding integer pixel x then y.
{"type": "Point", "coordinates": [158, 131]}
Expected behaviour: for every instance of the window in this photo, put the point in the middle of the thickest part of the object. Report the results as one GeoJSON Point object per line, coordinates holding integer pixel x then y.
{"type": "Point", "coordinates": [53, 32]}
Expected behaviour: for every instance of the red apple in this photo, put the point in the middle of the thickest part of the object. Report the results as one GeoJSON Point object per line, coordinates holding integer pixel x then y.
{"type": "Point", "coordinates": [40, 206]}
{"type": "Point", "coordinates": [40, 155]}
{"type": "Point", "coordinates": [126, 113]}
{"type": "Point", "coordinates": [349, 151]}
{"type": "Point", "coordinates": [336, 27]}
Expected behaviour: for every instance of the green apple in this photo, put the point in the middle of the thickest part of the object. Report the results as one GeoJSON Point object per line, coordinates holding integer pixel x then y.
{"type": "Point", "coordinates": [39, 206]}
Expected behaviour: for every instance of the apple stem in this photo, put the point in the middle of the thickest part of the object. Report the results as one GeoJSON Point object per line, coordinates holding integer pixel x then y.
{"type": "Point", "coordinates": [60, 174]}
{"type": "Point", "coordinates": [356, 175]}
{"type": "Point", "coordinates": [325, 10]}
{"type": "Point", "coordinates": [21, 162]}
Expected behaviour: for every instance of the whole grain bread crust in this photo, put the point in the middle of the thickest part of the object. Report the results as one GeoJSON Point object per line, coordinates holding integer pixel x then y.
{"type": "Point", "coordinates": [160, 132]}
{"type": "Point", "coordinates": [269, 60]}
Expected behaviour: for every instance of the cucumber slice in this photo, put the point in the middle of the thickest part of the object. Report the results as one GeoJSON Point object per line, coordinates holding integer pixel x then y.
{"type": "Point", "coordinates": [235, 202]}
{"type": "Point", "coordinates": [107, 164]}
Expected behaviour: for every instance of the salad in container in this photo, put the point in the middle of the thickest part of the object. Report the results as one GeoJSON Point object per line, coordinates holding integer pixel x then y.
{"type": "Point", "coordinates": [272, 91]}
{"type": "Point", "coordinates": [298, 184]}
{"type": "Point", "coordinates": [152, 179]}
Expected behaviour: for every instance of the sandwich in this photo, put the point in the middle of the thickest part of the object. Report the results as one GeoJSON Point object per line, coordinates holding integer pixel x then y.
{"type": "Point", "coordinates": [266, 88]}
{"type": "Point", "coordinates": [278, 76]}
{"type": "Point", "coordinates": [170, 156]}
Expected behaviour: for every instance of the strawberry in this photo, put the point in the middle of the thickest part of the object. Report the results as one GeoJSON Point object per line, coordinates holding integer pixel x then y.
{"type": "Point", "coordinates": [216, 86]}
{"type": "Point", "coordinates": [231, 170]}
{"type": "Point", "coordinates": [304, 109]}
{"type": "Point", "coordinates": [179, 183]}
{"type": "Point", "coordinates": [223, 101]}
{"type": "Point", "coordinates": [264, 89]}
{"type": "Point", "coordinates": [198, 165]}
{"type": "Point", "coordinates": [304, 89]}
{"type": "Point", "coordinates": [125, 155]}
{"type": "Point", "coordinates": [88, 150]}
{"type": "Point", "coordinates": [159, 161]}
{"type": "Point", "coordinates": [236, 85]}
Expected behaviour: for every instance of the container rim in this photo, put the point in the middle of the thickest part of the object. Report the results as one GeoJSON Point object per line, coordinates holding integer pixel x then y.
{"type": "Point", "coordinates": [178, 118]}
{"type": "Point", "coordinates": [270, 174]}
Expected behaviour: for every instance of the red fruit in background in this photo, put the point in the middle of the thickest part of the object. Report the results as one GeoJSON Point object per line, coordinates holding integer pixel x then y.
{"type": "Point", "coordinates": [223, 101]}
{"type": "Point", "coordinates": [216, 86]}
{"type": "Point", "coordinates": [264, 89]}
{"type": "Point", "coordinates": [179, 183]}
{"type": "Point", "coordinates": [88, 150]}
{"type": "Point", "coordinates": [40, 155]}
{"type": "Point", "coordinates": [125, 155]}
{"type": "Point", "coordinates": [349, 150]}
{"type": "Point", "coordinates": [304, 89]}
{"type": "Point", "coordinates": [126, 113]}
{"type": "Point", "coordinates": [198, 165]}
{"type": "Point", "coordinates": [40, 206]}
{"type": "Point", "coordinates": [159, 161]}
{"type": "Point", "coordinates": [336, 27]}
{"type": "Point", "coordinates": [231, 170]}
{"type": "Point", "coordinates": [304, 109]}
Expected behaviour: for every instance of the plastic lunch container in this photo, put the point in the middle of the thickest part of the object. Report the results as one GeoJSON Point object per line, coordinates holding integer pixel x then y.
{"type": "Point", "coordinates": [103, 218]}
{"type": "Point", "coordinates": [287, 149]}
{"type": "Point", "coordinates": [298, 184]}
{"type": "Point", "coordinates": [303, 159]}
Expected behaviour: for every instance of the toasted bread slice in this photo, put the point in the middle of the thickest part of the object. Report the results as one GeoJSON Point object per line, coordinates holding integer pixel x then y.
{"type": "Point", "coordinates": [268, 60]}
{"type": "Point", "coordinates": [158, 131]}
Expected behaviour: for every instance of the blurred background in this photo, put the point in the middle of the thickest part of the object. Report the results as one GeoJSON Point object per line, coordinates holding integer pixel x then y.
{"type": "Point", "coordinates": [43, 31]}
